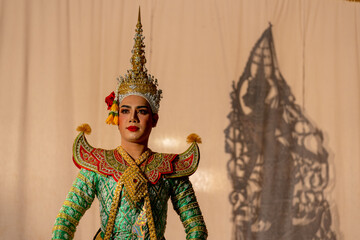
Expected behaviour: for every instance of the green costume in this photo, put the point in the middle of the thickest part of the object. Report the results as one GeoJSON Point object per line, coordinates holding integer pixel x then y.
{"type": "Point", "coordinates": [102, 171]}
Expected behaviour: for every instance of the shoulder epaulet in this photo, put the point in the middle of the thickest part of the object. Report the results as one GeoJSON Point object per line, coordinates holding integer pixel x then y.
{"type": "Point", "coordinates": [174, 165]}
{"type": "Point", "coordinates": [187, 162]}
{"type": "Point", "coordinates": [106, 162]}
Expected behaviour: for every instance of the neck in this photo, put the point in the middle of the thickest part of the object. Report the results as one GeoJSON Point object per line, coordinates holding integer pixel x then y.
{"type": "Point", "coordinates": [134, 149]}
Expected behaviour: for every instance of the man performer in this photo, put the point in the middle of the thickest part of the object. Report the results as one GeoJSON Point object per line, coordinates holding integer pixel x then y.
{"type": "Point", "coordinates": [132, 183]}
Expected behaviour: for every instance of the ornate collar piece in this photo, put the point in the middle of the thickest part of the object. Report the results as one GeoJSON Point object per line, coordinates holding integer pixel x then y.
{"type": "Point", "coordinates": [115, 162]}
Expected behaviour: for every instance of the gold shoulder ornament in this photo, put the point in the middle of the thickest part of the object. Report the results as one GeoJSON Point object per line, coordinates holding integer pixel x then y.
{"type": "Point", "coordinates": [112, 162]}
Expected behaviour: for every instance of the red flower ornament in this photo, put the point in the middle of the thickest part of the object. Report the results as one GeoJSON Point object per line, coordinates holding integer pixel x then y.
{"type": "Point", "coordinates": [109, 100]}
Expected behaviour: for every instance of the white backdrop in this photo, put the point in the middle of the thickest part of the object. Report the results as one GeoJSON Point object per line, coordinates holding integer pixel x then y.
{"type": "Point", "coordinates": [59, 60]}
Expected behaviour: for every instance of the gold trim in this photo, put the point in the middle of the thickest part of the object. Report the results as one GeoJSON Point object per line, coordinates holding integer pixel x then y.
{"type": "Point", "coordinates": [113, 211]}
{"type": "Point", "coordinates": [68, 217]}
{"type": "Point", "coordinates": [85, 180]}
{"type": "Point", "coordinates": [148, 211]}
{"type": "Point", "coordinates": [198, 229]}
{"type": "Point", "coordinates": [198, 218]}
{"type": "Point", "coordinates": [184, 194]}
{"type": "Point", "coordinates": [82, 194]}
{"type": "Point", "coordinates": [188, 207]}
{"type": "Point", "coordinates": [181, 166]}
{"type": "Point", "coordinates": [75, 206]}
{"type": "Point", "coordinates": [63, 228]}
{"type": "Point", "coordinates": [129, 159]}
{"type": "Point", "coordinates": [130, 179]}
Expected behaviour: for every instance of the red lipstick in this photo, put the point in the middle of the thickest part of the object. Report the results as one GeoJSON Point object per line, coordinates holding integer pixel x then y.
{"type": "Point", "coordinates": [132, 128]}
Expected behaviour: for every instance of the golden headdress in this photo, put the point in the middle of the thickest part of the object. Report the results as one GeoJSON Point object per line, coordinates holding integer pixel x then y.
{"type": "Point", "coordinates": [136, 82]}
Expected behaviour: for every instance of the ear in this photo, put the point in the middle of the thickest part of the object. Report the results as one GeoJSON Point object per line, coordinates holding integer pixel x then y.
{"type": "Point", "coordinates": [155, 118]}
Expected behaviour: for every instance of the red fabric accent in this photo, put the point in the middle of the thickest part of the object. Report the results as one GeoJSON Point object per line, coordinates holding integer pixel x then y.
{"type": "Point", "coordinates": [186, 163]}
{"type": "Point", "coordinates": [76, 164]}
{"type": "Point", "coordinates": [96, 158]}
{"type": "Point", "coordinates": [90, 158]}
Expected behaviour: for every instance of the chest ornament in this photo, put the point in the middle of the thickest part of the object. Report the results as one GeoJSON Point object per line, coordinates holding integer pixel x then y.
{"type": "Point", "coordinates": [112, 162]}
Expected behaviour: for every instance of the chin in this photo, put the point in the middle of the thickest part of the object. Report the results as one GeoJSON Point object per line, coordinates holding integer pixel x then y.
{"type": "Point", "coordinates": [134, 139]}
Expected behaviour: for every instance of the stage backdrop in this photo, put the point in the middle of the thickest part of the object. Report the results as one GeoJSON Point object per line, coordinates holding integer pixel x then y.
{"type": "Point", "coordinates": [60, 59]}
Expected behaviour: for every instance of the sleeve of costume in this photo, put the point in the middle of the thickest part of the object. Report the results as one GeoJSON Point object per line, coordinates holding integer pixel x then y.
{"type": "Point", "coordinates": [78, 200]}
{"type": "Point", "coordinates": [185, 204]}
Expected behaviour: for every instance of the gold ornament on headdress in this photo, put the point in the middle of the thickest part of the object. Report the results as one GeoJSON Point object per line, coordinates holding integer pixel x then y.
{"type": "Point", "coordinates": [137, 81]}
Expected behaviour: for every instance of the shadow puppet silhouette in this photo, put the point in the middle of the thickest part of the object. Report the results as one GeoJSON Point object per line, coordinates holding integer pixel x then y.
{"type": "Point", "coordinates": [278, 166]}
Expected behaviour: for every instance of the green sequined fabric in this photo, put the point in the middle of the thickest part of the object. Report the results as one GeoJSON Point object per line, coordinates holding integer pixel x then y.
{"type": "Point", "coordinates": [89, 184]}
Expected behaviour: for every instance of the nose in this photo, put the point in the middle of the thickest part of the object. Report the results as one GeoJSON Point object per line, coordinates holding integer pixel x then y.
{"type": "Point", "coordinates": [133, 117]}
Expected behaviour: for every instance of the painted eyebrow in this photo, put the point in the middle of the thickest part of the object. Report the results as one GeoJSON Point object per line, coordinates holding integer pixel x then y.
{"type": "Point", "coordinates": [142, 107]}
{"type": "Point", "coordinates": [127, 106]}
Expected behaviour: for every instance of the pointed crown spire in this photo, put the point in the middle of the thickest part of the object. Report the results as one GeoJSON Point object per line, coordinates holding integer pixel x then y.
{"type": "Point", "coordinates": [138, 59]}
{"type": "Point", "coordinates": [136, 81]}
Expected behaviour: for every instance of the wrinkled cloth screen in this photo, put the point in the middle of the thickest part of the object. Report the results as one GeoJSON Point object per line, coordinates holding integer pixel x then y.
{"type": "Point", "coordinates": [60, 59]}
{"type": "Point", "coordinates": [279, 167]}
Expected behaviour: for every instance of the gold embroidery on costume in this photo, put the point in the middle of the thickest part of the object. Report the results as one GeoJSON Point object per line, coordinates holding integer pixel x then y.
{"type": "Point", "coordinates": [110, 162]}
{"type": "Point", "coordinates": [134, 180]}
{"type": "Point", "coordinates": [189, 206]}
{"type": "Point", "coordinates": [192, 220]}
{"type": "Point", "coordinates": [68, 217]}
{"type": "Point", "coordinates": [183, 194]}
{"type": "Point", "coordinates": [198, 229]}
{"type": "Point", "coordinates": [135, 184]}
{"type": "Point", "coordinates": [75, 206]}
{"type": "Point", "coordinates": [186, 163]}
{"type": "Point", "coordinates": [149, 215]}
{"type": "Point", "coordinates": [81, 194]}
{"type": "Point", "coordinates": [85, 180]}
{"type": "Point", "coordinates": [113, 158]}
{"type": "Point", "coordinates": [65, 229]}
{"type": "Point", "coordinates": [158, 158]}
{"type": "Point", "coordinates": [135, 189]}
{"type": "Point", "coordinates": [113, 211]}
{"type": "Point", "coordinates": [65, 222]}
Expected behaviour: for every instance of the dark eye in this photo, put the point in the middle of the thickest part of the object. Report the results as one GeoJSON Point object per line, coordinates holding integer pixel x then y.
{"type": "Point", "coordinates": [143, 111]}
{"type": "Point", "coordinates": [124, 111]}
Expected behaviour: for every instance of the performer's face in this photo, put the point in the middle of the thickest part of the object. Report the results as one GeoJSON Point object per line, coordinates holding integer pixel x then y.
{"type": "Point", "coordinates": [136, 120]}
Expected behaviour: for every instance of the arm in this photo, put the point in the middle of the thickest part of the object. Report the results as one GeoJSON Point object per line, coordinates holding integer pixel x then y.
{"type": "Point", "coordinates": [78, 200]}
{"type": "Point", "coordinates": [185, 204]}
